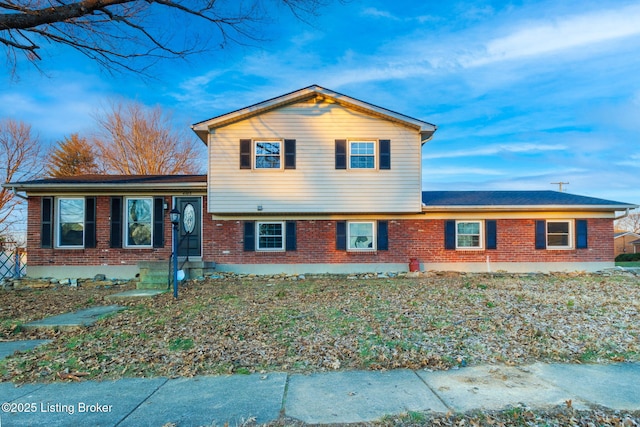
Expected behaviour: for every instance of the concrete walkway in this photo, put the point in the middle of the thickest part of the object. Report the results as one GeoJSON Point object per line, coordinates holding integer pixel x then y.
{"type": "Point", "coordinates": [76, 319]}
{"type": "Point", "coordinates": [323, 398]}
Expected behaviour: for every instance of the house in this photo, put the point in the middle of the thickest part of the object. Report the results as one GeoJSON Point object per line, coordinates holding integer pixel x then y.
{"type": "Point", "coordinates": [626, 242]}
{"type": "Point", "coordinates": [310, 181]}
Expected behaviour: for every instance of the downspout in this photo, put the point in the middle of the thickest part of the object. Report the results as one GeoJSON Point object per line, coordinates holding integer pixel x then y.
{"type": "Point", "coordinates": [15, 193]}
{"type": "Point", "coordinates": [624, 215]}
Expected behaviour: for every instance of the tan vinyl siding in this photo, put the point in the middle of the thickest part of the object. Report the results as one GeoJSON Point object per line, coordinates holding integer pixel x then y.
{"type": "Point", "coordinates": [315, 186]}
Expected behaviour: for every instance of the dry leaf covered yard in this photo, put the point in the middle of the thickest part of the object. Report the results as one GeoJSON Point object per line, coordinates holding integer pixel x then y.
{"type": "Point", "coordinates": [242, 325]}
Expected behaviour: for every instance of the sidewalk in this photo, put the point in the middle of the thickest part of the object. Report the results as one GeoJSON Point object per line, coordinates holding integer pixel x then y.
{"type": "Point", "coordinates": [322, 398]}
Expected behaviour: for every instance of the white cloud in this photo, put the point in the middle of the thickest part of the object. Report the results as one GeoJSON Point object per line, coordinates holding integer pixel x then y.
{"type": "Point", "coordinates": [571, 32]}
{"type": "Point", "coordinates": [496, 149]}
{"type": "Point", "coordinates": [419, 54]}
{"type": "Point", "coordinates": [372, 11]}
{"type": "Point", "coordinates": [632, 160]}
{"type": "Point", "coordinates": [54, 107]}
{"type": "Point", "coordinates": [453, 170]}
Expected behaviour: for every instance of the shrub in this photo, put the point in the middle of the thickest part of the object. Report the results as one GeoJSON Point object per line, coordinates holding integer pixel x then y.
{"type": "Point", "coordinates": [628, 257]}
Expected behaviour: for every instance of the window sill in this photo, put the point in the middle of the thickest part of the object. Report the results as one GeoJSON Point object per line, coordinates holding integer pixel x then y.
{"type": "Point", "coordinates": [267, 253]}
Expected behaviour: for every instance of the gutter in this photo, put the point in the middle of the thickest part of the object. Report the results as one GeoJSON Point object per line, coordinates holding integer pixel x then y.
{"type": "Point", "coordinates": [54, 188]}
{"type": "Point", "coordinates": [527, 208]}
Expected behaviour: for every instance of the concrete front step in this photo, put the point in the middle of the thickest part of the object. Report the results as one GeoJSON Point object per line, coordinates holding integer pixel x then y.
{"type": "Point", "coordinates": [195, 269]}
{"type": "Point", "coordinates": [155, 274]}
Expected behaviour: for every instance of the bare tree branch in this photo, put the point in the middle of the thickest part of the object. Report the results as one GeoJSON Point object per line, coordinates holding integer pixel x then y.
{"type": "Point", "coordinates": [630, 223]}
{"type": "Point", "coordinates": [20, 159]}
{"type": "Point", "coordinates": [136, 140]}
{"type": "Point", "coordinates": [115, 32]}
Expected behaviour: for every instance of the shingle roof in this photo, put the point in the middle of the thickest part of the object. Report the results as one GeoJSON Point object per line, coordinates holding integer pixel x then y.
{"type": "Point", "coordinates": [118, 179]}
{"type": "Point", "coordinates": [105, 182]}
{"type": "Point", "coordinates": [475, 199]}
{"type": "Point", "coordinates": [624, 233]}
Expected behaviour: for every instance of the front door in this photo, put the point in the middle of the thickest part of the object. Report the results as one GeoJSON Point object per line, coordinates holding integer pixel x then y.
{"type": "Point", "coordinates": [190, 229]}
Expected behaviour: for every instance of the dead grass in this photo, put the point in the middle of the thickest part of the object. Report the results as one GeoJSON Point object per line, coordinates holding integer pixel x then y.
{"type": "Point", "coordinates": [328, 323]}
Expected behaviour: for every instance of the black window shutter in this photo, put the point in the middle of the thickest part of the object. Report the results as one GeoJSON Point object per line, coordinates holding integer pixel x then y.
{"type": "Point", "coordinates": [158, 222]}
{"type": "Point", "coordinates": [449, 234]}
{"type": "Point", "coordinates": [249, 236]}
{"type": "Point", "coordinates": [384, 147]}
{"type": "Point", "coordinates": [90, 222]}
{"type": "Point", "coordinates": [541, 234]}
{"type": "Point", "coordinates": [383, 236]}
{"type": "Point", "coordinates": [115, 233]}
{"type": "Point", "coordinates": [289, 153]}
{"type": "Point", "coordinates": [245, 154]}
{"type": "Point", "coordinates": [341, 153]}
{"type": "Point", "coordinates": [490, 226]}
{"type": "Point", "coordinates": [291, 244]}
{"type": "Point", "coordinates": [46, 223]}
{"type": "Point", "coordinates": [341, 235]}
{"type": "Point", "coordinates": [581, 234]}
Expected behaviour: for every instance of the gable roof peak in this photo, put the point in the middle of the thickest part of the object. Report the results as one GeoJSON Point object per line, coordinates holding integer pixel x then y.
{"type": "Point", "coordinates": [203, 128]}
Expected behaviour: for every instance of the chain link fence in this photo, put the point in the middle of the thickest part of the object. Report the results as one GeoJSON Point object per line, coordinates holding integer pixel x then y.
{"type": "Point", "coordinates": [13, 264]}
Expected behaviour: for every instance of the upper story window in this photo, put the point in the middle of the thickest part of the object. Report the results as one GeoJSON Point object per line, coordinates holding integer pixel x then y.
{"type": "Point", "coordinates": [71, 216]}
{"type": "Point", "coordinates": [139, 225]}
{"type": "Point", "coordinates": [559, 234]}
{"type": "Point", "coordinates": [362, 154]}
{"type": "Point", "coordinates": [268, 154]}
{"type": "Point", "coordinates": [468, 234]}
{"type": "Point", "coordinates": [261, 154]}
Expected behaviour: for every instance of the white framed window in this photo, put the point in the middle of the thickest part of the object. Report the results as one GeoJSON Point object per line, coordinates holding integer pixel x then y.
{"type": "Point", "coordinates": [268, 154]}
{"type": "Point", "coordinates": [469, 235]}
{"type": "Point", "coordinates": [270, 236]}
{"type": "Point", "coordinates": [70, 222]}
{"type": "Point", "coordinates": [362, 154]}
{"type": "Point", "coordinates": [139, 222]}
{"type": "Point", "coordinates": [361, 236]}
{"type": "Point", "coordinates": [559, 234]}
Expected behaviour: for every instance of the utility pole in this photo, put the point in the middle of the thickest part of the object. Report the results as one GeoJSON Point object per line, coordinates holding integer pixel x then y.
{"type": "Point", "coordinates": [559, 184]}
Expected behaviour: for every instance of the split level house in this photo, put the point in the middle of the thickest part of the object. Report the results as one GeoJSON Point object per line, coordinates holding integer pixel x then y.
{"type": "Point", "coordinates": [312, 181]}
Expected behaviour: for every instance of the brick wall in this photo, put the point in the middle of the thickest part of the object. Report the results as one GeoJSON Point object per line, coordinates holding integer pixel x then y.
{"type": "Point", "coordinates": [422, 239]}
{"type": "Point", "coordinates": [102, 254]}
{"type": "Point", "coordinates": [316, 243]}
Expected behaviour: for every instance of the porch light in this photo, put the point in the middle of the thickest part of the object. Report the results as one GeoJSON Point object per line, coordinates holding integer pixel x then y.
{"type": "Point", "coordinates": [174, 215]}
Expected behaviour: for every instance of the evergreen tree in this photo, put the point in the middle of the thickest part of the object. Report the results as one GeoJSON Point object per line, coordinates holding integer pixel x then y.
{"type": "Point", "coordinates": [72, 156]}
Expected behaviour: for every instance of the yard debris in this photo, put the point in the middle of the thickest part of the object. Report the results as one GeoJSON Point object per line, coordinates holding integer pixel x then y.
{"type": "Point", "coordinates": [248, 324]}
{"type": "Point", "coordinates": [75, 376]}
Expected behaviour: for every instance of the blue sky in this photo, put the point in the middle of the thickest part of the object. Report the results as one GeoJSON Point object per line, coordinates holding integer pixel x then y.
{"type": "Point", "coordinates": [524, 93]}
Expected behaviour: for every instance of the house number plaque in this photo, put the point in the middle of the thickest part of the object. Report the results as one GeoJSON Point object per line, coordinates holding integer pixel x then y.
{"type": "Point", "coordinates": [189, 218]}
